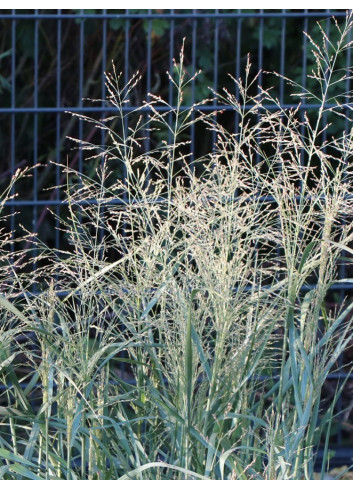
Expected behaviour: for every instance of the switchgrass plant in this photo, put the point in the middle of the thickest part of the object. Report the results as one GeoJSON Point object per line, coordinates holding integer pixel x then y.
{"type": "Point", "coordinates": [183, 333]}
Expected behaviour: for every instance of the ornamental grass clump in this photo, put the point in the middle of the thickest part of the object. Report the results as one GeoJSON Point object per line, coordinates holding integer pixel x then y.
{"type": "Point", "coordinates": [183, 333]}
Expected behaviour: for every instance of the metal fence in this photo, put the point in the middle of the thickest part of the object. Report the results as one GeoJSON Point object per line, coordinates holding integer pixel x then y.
{"type": "Point", "coordinates": [50, 60]}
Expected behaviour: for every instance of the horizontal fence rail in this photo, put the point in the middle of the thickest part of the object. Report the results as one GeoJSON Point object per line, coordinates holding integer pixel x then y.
{"type": "Point", "coordinates": [188, 15]}
{"type": "Point", "coordinates": [158, 108]}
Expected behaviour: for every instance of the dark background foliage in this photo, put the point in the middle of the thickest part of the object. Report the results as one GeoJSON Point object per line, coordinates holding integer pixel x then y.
{"type": "Point", "coordinates": [50, 62]}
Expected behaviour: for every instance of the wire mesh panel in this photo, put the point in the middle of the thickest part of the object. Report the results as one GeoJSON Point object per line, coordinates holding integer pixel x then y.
{"type": "Point", "coordinates": [52, 62]}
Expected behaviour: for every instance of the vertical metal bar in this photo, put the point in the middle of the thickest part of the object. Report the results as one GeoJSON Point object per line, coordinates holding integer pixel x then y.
{"type": "Point", "coordinates": [58, 128]}
{"type": "Point", "coordinates": [126, 125]}
{"type": "Point", "coordinates": [148, 76]}
{"type": "Point", "coordinates": [282, 60]}
{"type": "Point", "coordinates": [215, 70]}
{"type": "Point", "coordinates": [13, 118]}
{"type": "Point", "coordinates": [304, 54]}
{"type": "Point", "coordinates": [80, 89]}
{"type": "Point", "coordinates": [35, 132]}
{"type": "Point", "coordinates": [193, 68]}
{"type": "Point", "coordinates": [261, 47]}
{"type": "Point", "coordinates": [80, 96]}
{"type": "Point", "coordinates": [342, 269]}
{"type": "Point", "coordinates": [80, 159]}
{"type": "Point", "coordinates": [237, 67]}
{"type": "Point", "coordinates": [149, 55]}
{"type": "Point", "coordinates": [147, 142]}
{"type": "Point", "coordinates": [103, 95]}
{"type": "Point", "coordinates": [99, 335]}
{"type": "Point", "coordinates": [126, 80]}
{"type": "Point", "coordinates": [104, 65]}
{"type": "Point", "coordinates": [127, 42]}
{"type": "Point", "coordinates": [237, 76]}
{"type": "Point", "coordinates": [171, 68]}
{"type": "Point", "coordinates": [347, 125]}
{"type": "Point", "coordinates": [279, 250]}
{"type": "Point", "coordinates": [303, 82]}
{"type": "Point", "coordinates": [324, 117]}
{"type": "Point", "coordinates": [260, 64]}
